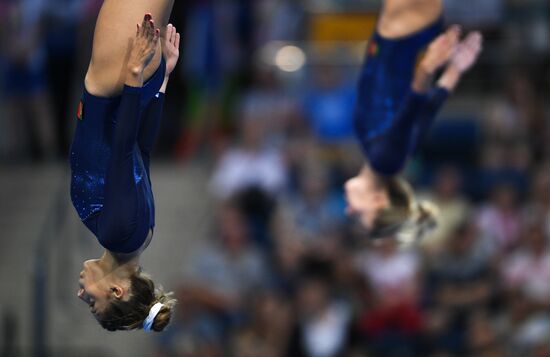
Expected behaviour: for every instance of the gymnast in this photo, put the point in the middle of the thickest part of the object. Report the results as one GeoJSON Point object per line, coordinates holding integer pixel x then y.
{"type": "Point", "coordinates": [118, 120]}
{"type": "Point", "coordinates": [400, 94]}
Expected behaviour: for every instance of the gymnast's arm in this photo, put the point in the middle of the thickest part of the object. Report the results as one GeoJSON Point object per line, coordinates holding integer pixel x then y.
{"type": "Point", "coordinates": [170, 51]}
{"type": "Point", "coordinates": [152, 114]}
{"type": "Point", "coordinates": [387, 152]}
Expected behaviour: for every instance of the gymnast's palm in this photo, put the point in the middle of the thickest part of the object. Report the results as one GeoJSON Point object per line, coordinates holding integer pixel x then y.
{"type": "Point", "coordinates": [170, 48]}
{"type": "Point", "coordinates": [468, 52]}
{"type": "Point", "coordinates": [144, 46]}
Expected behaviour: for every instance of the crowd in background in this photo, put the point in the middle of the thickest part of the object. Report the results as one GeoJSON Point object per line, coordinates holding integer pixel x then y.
{"type": "Point", "coordinates": [286, 272]}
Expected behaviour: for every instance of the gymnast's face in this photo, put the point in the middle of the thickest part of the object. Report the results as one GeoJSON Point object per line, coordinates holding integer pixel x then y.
{"type": "Point", "coordinates": [365, 197]}
{"type": "Point", "coordinates": [98, 288]}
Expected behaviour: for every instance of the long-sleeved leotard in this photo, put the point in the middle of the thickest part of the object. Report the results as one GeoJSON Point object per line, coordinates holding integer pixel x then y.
{"type": "Point", "coordinates": [390, 118]}
{"type": "Point", "coordinates": [110, 186]}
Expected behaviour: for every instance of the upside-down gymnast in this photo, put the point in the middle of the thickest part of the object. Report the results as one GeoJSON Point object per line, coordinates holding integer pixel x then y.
{"type": "Point", "coordinates": [118, 120]}
{"type": "Point", "coordinates": [396, 105]}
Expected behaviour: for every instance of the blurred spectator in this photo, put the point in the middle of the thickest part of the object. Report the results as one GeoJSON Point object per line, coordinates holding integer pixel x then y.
{"type": "Point", "coordinates": [252, 162]}
{"type": "Point", "coordinates": [500, 220]}
{"type": "Point", "coordinates": [222, 274]}
{"type": "Point", "coordinates": [509, 161]}
{"type": "Point", "coordinates": [266, 100]}
{"type": "Point", "coordinates": [313, 214]}
{"type": "Point", "coordinates": [526, 282]}
{"type": "Point", "coordinates": [29, 116]}
{"type": "Point", "coordinates": [394, 321]}
{"type": "Point", "coordinates": [515, 116]}
{"type": "Point", "coordinates": [539, 207]}
{"type": "Point", "coordinates": [323, 323]}
{"type": "Point", "coordinates": [329, 105]}
{"type": "Point", "coordinates": [266, 332]}
{"type": "Point", "coordinates": [528, 24]}
{"type": "Point", "coordinates": [522, 329]}
{"type": "Point", "coordinates": [482, 339]}
{"type": "Point", "coordinates": [459, 285]}
{"type": "Point", "coordinates": [528, 269]}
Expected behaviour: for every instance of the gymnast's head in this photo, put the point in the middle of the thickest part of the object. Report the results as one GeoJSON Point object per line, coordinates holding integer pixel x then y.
{"type": "Point", "coordinates": [387, 207]}
{"type": "Point", "coordinates": [124, 298]}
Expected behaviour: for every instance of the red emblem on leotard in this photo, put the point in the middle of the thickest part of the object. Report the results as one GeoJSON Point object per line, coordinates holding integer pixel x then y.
{"type": "Point", "coordinates": [80, 110]}
{"type": "Point", "coordinates": [372, 49]}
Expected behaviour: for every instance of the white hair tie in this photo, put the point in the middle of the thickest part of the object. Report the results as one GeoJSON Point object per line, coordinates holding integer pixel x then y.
{"type": "Point", "coordinates": [148, 323]}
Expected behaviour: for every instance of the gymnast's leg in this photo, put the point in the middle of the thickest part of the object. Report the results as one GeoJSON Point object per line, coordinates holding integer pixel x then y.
{"type": "Point", "coordinates": [113, 38]}
{"type": "Point", "coordinates": [400, 18]}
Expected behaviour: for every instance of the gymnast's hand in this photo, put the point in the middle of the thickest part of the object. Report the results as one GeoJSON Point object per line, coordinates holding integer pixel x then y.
{"type": "Point", "coordinates": [170, 48]}
{"type": "Point", "coordinates": [467, 52]}
{"type": "Point", "coordinates": [143, 50]}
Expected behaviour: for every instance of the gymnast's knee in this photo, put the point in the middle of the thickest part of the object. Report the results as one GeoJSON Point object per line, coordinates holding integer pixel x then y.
{"type": "Point", "coordinates": [102, 80]}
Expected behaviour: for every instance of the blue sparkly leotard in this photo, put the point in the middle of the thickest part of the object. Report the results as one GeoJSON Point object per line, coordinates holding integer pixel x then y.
{"type": "Point", "coordinates": [110, 185]}
{"type": "Point", "coordinates": [390, 118]}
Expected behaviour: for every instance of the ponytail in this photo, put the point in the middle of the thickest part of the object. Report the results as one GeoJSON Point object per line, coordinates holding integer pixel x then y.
{"type": "Point", "coordinates": [162, 318]}
{"type": "Point", "coordinates": [424, 221]}
{"type": "Point", "coordinates": [405, 218]}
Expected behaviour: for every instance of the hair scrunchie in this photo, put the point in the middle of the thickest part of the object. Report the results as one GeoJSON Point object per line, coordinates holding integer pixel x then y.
{"type": "Point", "coordinates": [148, 323]}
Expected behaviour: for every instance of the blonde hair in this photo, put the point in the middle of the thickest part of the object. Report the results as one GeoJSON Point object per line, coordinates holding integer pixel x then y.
{"type": "Point", "coordinates": [131, 314]}
{"type": "Point", "coordinates": [405, 219]}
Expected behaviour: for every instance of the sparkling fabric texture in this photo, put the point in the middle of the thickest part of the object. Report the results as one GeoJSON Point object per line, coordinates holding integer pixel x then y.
{"type": "Point", "coordinates": [91, 151]}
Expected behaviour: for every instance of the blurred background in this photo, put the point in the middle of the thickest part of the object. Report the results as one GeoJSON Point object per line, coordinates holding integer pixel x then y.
{"type": "Point", "coordinates": [256, 143]}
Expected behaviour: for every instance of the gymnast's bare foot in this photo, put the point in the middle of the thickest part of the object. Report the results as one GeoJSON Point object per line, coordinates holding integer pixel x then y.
{"type": "Point", "coordinates": [142, 52]}
{"type": "Point", "coordinates": [465, 56]}
{"type": "Point", "coordinates": [438, 54]}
